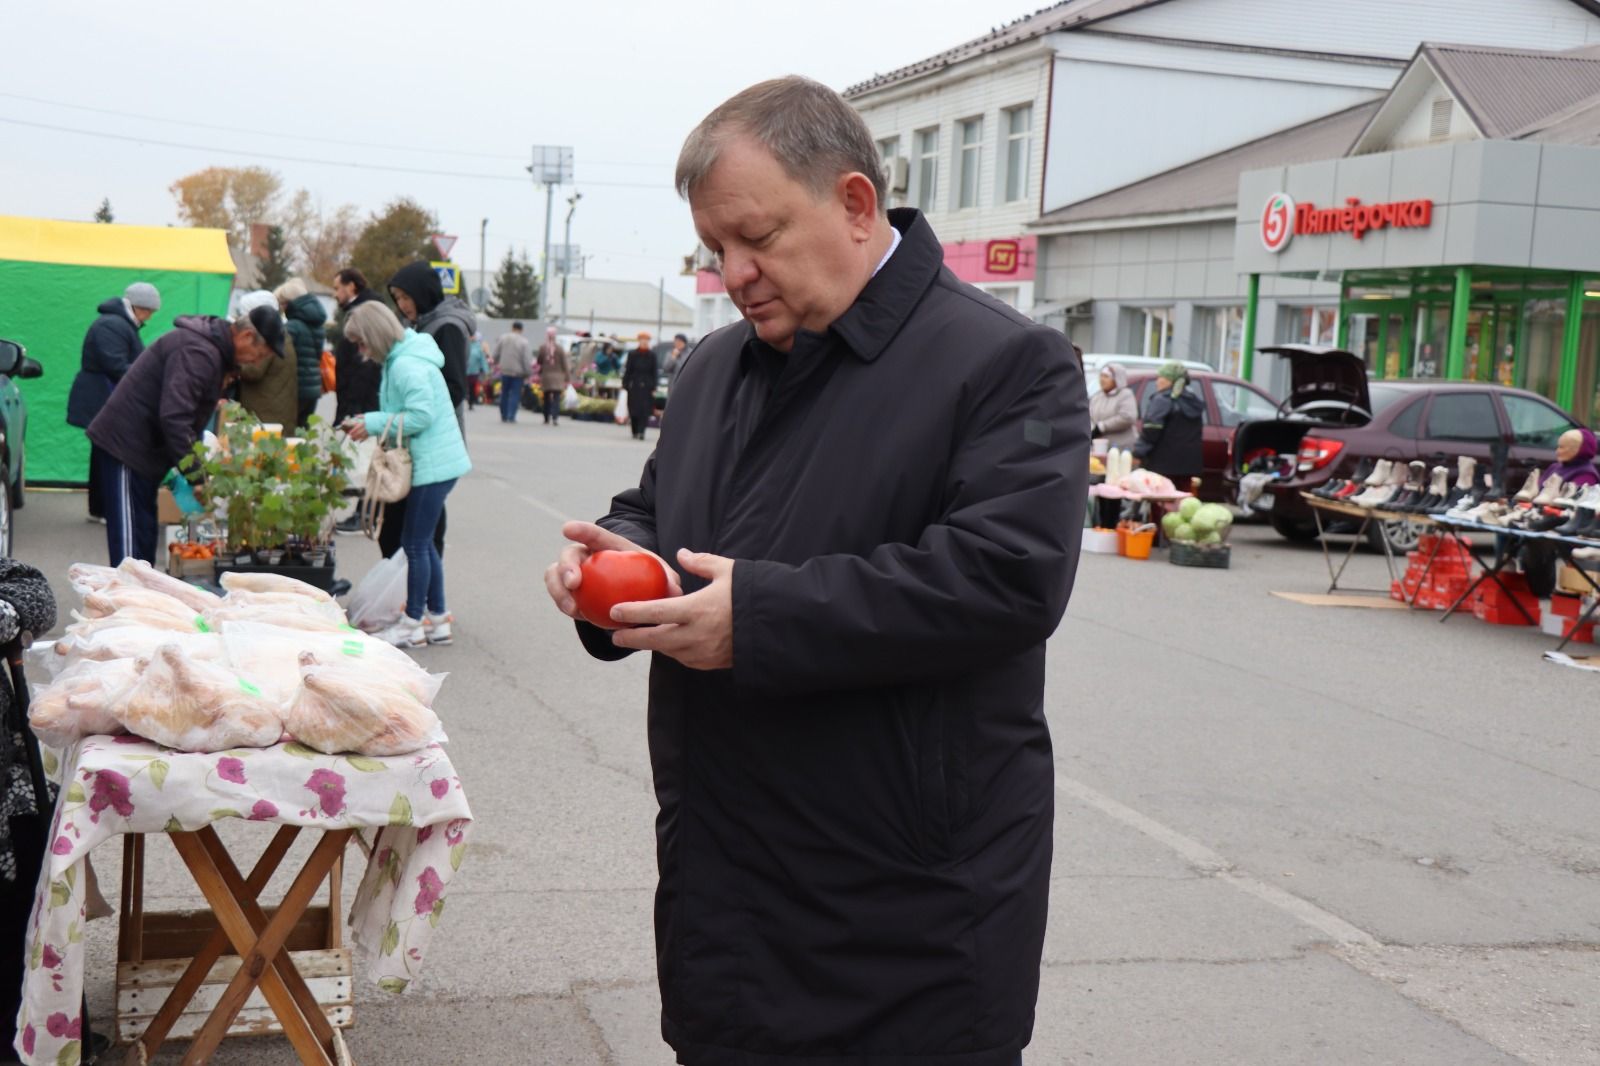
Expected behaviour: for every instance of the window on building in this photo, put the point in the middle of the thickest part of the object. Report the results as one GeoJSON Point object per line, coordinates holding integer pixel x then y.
{"type": "Point", "coordinates": [1533, 423]}
{"type": "Point", "coordinates": [1019, 151]}
{"type": "Point", "coordinates": [889, 151]}
{"type": "Point", "coordinates": [1308, 325]}
{"type": "Point", "coordinates": [1148, 331]}
{"type": "Point", "coordinates": [1439, 118]}
{"type": "Point", "coordinates": [970, 162]}
{"type": "Point", "coordinates": [1463, 416]}
{"type": "Point", "coordinates": [927, 168]}
{"type": "Point", "coordinates": [1221, 333]}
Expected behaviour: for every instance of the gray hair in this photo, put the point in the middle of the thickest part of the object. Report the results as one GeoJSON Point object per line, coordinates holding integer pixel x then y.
{"type": "Point", "coordinates": [810, 130]}
{"type": "Point", "coordinates": [373, 325]}
{"type": "Point", "coordinates": [290, 290]}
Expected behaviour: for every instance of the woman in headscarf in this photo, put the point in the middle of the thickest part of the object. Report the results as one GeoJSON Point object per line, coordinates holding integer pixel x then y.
{"type": "Point", "coordinates": [1113, 411]}
{"type": "Point", "coordinates": [1169, 443]}
{"type": "Point", "coordinates": [1574, 465]}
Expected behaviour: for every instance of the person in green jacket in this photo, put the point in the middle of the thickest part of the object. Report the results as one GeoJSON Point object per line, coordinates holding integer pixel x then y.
{"type": "Point", "coordinates": [414, 408]}
{"type": "Point", "coordinates": [306, 321]}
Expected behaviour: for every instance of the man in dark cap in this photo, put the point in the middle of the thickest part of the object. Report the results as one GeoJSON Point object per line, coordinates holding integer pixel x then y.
{"type": "Point", "coordinates": [159, 409]}
{"type": "Point", "coordinates": [109, 349]}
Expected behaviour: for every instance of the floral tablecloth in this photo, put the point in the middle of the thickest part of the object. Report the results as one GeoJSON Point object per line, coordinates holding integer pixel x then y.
{"type": "Point", "coordinates": [413, 805]}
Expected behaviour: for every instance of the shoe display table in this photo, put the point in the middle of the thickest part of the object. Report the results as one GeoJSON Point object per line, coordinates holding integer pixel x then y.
{"type": "Point", "coordinates": [1508, 541]}
{"type": "Point", "coordinates": [1365, 516]}
{"type": "Point", "coordinates": [244, 967]}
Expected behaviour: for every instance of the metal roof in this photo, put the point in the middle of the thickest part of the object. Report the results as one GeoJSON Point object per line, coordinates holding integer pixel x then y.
{"type": "Point", "coordinates": [1069, 14]}
{"type": "Point", "coordinates": [1509, 90]}
{"type": "Point", "coordinates": [1213, 182]}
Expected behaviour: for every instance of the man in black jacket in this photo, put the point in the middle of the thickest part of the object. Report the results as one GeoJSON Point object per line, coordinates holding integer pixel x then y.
{"type": "Point", "coordinates": [109, 349]}
{"type": "Point", "coordinates": [158, 411]}
{"type": "Point", "coordinates": [420, 298]}
{"type": "Point", "coordinates": [356, 378]}
{"type": "Point", "coordinates": [872, 491]}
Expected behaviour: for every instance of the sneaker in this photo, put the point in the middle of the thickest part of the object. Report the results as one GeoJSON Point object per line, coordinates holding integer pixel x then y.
{"type": "Point", "coordinates": [405, 633]}
{"type": "Point", "coordinates": [97, 518]}
{"type": "Point", "coordinates": [349, 525]}
{"type": "Point", "coordinates": [438, 629]}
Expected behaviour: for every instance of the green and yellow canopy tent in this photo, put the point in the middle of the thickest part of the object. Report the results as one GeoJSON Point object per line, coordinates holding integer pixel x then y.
{"type": "Point", "coordinates": [52, 277]}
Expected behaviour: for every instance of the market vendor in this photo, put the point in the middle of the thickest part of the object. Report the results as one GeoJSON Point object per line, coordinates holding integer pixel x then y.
{"type": "Point", "coordinates": [1574, 465]}
{"type": "Point", "coordinates": [159, 409]}
{"type": "Point", "coordinates": [1169, 442]}
{"type": "Point", "coordinates": [1113, 412]}
{"type": "Point", "coordinates": [269, 389]}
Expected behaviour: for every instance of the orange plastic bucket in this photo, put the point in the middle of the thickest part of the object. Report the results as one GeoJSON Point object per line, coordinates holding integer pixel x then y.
{"type": "Point", "coordinates": [1139, 544]}
{"type": "Point", "coordinates": [1122, 540]}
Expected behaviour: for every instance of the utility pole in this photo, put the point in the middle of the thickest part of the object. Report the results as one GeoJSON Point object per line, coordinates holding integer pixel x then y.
{"type": "Point", "coordinates": [661, 308]}
{"type": "Point", "coordinates": [483, 280]}
{"type": "Point", "coordinates": [566, 254]}
{"type": "Point", "coordinates": [551, 166]}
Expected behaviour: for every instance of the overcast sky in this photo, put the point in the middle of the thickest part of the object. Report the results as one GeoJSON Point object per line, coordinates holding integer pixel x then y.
{"type": "Point", "coordinates": [466, 88]}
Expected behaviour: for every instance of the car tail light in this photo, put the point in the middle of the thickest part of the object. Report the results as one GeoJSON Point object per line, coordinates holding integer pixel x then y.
{"type": "Point", "coordinates": [1317, 452]}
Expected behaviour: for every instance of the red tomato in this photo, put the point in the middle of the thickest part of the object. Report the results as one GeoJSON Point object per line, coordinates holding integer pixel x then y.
{"type": "Point", "coordinates": [611, 577]}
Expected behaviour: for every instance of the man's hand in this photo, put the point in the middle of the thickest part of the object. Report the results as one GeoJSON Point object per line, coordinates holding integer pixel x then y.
{"type": "Point", "coordinates": [564, 575]}
{"type": "Point", "coordinates": [697, 629]}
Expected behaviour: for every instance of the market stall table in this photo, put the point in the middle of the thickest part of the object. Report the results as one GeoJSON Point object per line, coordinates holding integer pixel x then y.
{"type": "Point", "coordinates": [1508, 539]}
{"type": "Point", "coordinates": [411, 806]}
{"type": "Point", "coordinates": [1367, 516]}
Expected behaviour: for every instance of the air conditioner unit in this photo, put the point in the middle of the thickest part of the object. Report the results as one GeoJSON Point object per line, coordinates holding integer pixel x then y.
{"type": "Point", "coordinates": [899, 175]}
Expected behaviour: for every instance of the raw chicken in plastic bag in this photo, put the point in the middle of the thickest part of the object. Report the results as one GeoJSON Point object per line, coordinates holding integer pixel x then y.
{"type": "Point", "coordinates": [81, 701]}
{"type": "Point", "coordinates": [192, 705]}
{"type": "Point", "coordinates": [355, 706]}
{"type": "Point", "coordinates": [233, 581]}
{"type": "Point", "coordinates": [323, 608]}
{"type": "Point", "coordinates": [139, 572]}
{"type": "Point", "coordinates": [130, 642]}
{"type": "Point", "coordinates": [134, 616]}
{"type": "Point", "coordinates": [269, 656]}
{"type": "Point", "coordinates": [98, 604]}
{"type": "Point", "coordinates": [90, 577]}
{"type": "Point", "coordinates": [274, 614]}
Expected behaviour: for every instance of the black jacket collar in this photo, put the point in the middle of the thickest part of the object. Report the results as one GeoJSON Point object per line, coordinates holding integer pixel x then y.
{"type": "Point", "coordinates": [883, 306]}
{"type": "Point", "coordinates": [887, 301]}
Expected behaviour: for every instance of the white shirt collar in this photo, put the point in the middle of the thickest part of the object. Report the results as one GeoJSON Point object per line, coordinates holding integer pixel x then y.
{"type": "Point", "coordinates": [894, 242]}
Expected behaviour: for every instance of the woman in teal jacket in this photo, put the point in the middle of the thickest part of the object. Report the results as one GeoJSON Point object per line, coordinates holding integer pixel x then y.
{"type": "Point", "coordinates": [413, 405]}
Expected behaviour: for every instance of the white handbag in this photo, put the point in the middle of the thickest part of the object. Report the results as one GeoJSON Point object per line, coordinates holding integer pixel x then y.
{"type": "Point", "coordinates": [388, 476]}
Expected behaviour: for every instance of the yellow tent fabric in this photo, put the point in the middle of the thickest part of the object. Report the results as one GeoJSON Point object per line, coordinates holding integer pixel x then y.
{"type": "Point", "coordinates": [39, 240]}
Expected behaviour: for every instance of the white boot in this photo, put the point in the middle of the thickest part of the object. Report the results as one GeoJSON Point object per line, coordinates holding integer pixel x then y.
{"type": "Point", "coordinates": [1466, 470]}
{"type": "Point", "coordinates": [1439, 487]}
{"type": "Point", "coordinates": [1380, 474]}
{"type": "Point", "coordinates": [1530, 488]}
{"type": "Point", "coordinates": [1548, 493]}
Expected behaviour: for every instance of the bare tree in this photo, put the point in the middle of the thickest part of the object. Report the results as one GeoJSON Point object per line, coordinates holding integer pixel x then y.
{"type": "Point", "coordinates": [320, 242]}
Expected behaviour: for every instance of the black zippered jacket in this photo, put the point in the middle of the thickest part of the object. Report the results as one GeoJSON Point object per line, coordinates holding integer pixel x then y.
{"type": "Point", "coordinates": [854, 834]}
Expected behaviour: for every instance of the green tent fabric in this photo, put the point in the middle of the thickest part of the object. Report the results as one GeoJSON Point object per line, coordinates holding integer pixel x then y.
{"type": "Point", "coordinates": [52, 277]}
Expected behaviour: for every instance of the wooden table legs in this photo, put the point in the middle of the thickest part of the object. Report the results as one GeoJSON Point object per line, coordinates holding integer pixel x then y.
{"type": "Point", "coordinates": [259, 942]}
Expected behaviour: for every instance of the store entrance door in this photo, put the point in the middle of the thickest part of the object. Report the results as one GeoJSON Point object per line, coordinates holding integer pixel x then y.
{"type": "Point", "coordinates": [1491, 354]}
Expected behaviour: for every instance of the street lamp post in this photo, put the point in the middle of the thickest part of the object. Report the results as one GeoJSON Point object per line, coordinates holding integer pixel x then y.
{"type": "Point", "coordinates": [483, 282]}
{"type": "Point", "coordinates": [551, 166]}
{"type": "Point", "coordinates": [566, 254]}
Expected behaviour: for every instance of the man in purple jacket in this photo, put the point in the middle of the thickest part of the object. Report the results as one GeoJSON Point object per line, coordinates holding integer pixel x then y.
{"type": "Point", "coordinates": [158, 411]}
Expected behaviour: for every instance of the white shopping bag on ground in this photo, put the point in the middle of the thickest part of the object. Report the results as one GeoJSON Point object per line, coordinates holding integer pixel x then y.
{"type": "Point", "coordinates": [569, 399]}
{"type": "Point", "coordinates": [380, 599]}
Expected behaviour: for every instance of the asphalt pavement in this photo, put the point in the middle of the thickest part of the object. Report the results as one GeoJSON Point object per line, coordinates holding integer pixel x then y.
{"type": "Point", "coordinates": [1285, 833]}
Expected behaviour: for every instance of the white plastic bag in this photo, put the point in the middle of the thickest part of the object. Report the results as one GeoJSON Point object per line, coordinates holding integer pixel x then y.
{"type": "Point", "coordinates": [620, 415]}
{"type": "Point", "coordinates": [569, 399]}
{"type": "Point", "coordinates": [380, 599]}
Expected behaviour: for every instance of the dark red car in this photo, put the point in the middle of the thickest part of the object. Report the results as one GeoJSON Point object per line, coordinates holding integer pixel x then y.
{"type": "Point", "coordinates": [1334, 419]}
{"type": "Point", "coordinates": [1230, 402]}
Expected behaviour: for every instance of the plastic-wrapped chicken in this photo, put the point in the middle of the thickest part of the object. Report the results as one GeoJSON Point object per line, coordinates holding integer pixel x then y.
{"type": "Point", "coordinates": [110, 600]}
{"type": "Point", "coordinates": [193, 705]}
{"type": "Point", "coordinates": [135, 642]}
{"type": "Point", "coordinates": [325, 608]}
{"type": "Point", "coordinates": [89, 577]}
{"type": "Point", "coordinates": [351, 707]}
{"type": "Point", "coordinates": [138, 572]}
{"type": "Point", "coordinates": [133, 616]}
{"type": "Point", "coordinates": [269, 656]}
{"type": "Point", "coordinates": [81, 701]}
{"type": "Point", "coordinates": [233, 581]}
{"type": "Point", "coordinates": [272, 614]}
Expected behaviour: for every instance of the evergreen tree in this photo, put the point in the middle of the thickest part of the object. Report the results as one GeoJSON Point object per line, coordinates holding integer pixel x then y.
{"type": "Point", "coordinates": [273, 269]}
{"type": "Point", "coordinates": [104, 214]}
{"type": "Point", "coordinates": [516, 289]}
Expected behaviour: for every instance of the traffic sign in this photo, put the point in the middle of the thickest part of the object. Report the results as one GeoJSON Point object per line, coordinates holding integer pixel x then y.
{"type": "Point", "coordinates": [444, 242]}
{"type": "Point", "coordinates": [449, 276]}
